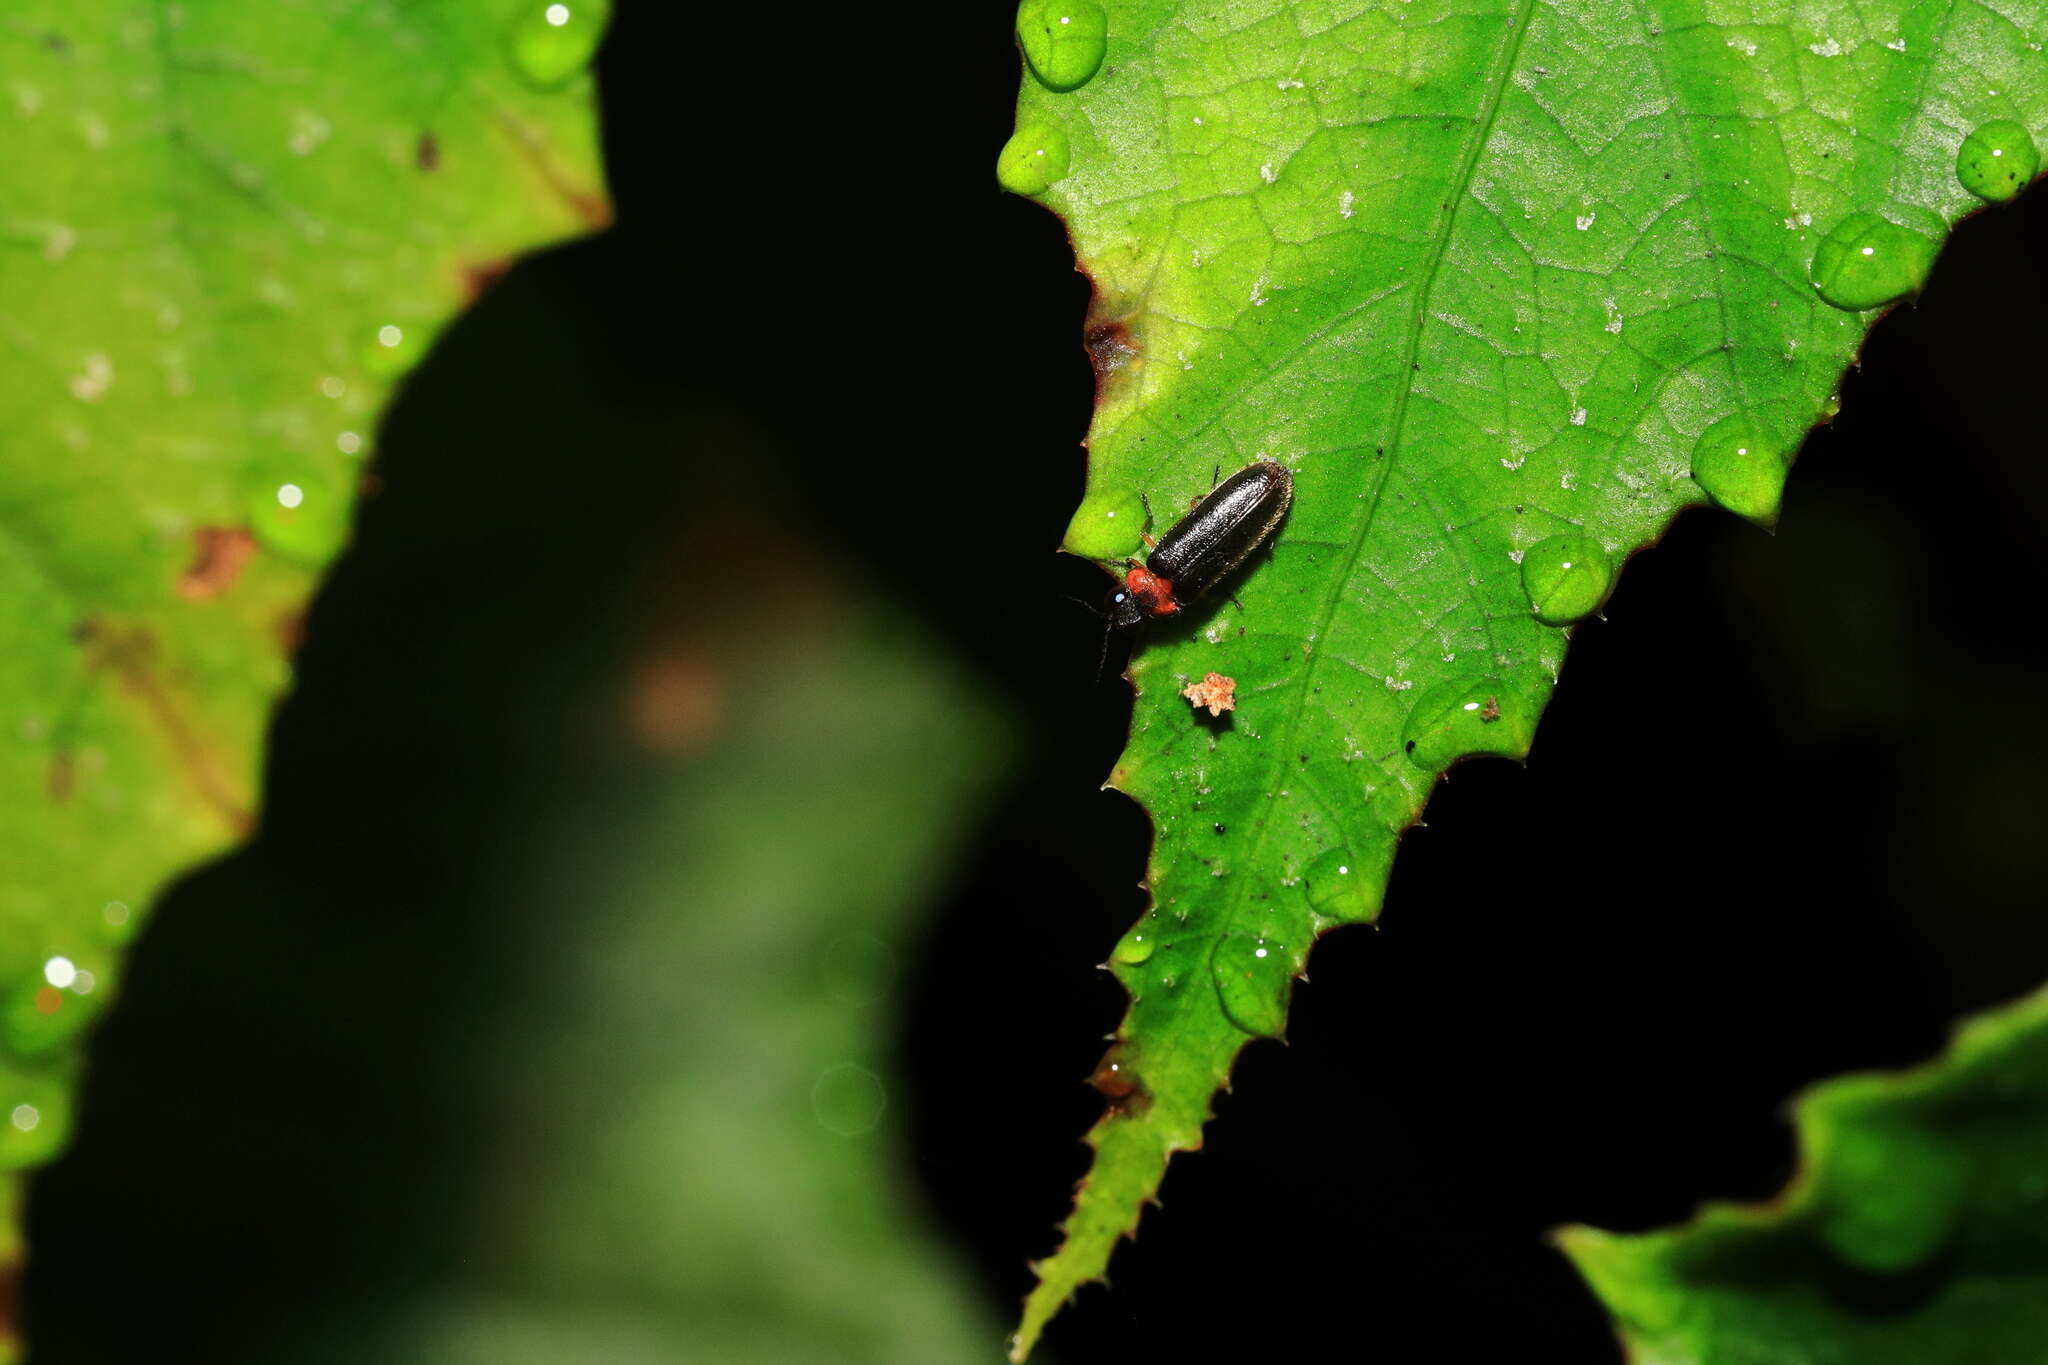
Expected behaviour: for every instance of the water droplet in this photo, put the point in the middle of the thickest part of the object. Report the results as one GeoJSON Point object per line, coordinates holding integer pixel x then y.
{"type": "Point", "coordinates": [1063, 40]}
{"type": "Point", "coordinates": [1868, 261]}
{"type": "Point", "coordinates": [1997, 161]}
{"type": "Point", "coordinates": [1106, 526]}
{"type": "Point", "coordinates": [1566, 577]}
{"type": "Point", "coordinates": [1252, 976]}
{"type": "Point", "coordinates": [118, 921]}
{"type": "Point", "coordinates": [1341, 888]}
{"type": "Point", "coordinates": [848, 1100]}
{"type": "Point", "coordinates": [393, 349]}
{"type": "Point", "coordinates": [1033, 158]}
{"type": "Point", "coordinates": [1739, 470]}
{"type": "Point", "coordinates": [552, 42]}
{"type": "Point", "coordinates": [47, 1007]}
{"type": "Point", "coordinates": [1457, 720]}
{"type": "Point", "coordinates": [38, 1118]}
{"type": "Point", "coordinates": [1888, 1195]}
{"type": "Point", "coordinates": [1116, 1077]}
{"type": "Point", "coordinates": [1136, 946]}
{"type": "Point", "coordinates": [297, 511]}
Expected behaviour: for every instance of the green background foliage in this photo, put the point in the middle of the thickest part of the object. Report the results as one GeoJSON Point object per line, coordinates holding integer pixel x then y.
{"type": "Point", "coordinates": [225, 231]}
{"type": "Point", "coordinates": [1927, 1190]}
{"type": "Point", "coordinates": [1483, 276]}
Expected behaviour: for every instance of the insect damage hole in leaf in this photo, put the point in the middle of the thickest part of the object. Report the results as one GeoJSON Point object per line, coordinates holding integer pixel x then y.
{"type": "Point", "coordinates": [1506, 289]}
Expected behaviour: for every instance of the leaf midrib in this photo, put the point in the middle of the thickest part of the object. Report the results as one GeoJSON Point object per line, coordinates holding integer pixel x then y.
{"type": "Point", "coordinates": [1325, 611]}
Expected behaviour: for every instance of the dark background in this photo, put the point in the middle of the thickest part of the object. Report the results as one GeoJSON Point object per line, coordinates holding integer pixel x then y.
{"type": "Point", "coordinates": [1597, 979]}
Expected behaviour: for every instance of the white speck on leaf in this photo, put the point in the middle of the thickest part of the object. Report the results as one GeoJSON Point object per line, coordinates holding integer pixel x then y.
{"type": "Point", "coordinates": [1584, 221]}
{"type": "Point", "coordinates": [91, 383]}
{"type": "Point", "coordinates": [309, 130]}
{"type": "Point", "coordinates": [1826, 47]}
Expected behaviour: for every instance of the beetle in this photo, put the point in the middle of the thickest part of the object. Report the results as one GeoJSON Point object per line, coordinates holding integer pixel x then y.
{"type": "Point", "coordinates": [1203, 547]}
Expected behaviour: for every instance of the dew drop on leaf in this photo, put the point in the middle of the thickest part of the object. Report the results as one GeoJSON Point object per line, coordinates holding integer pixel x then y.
{"type": "Point", "coordinates": [1063, 40]}
{"type": "Point", "coordinates": [393, 349]}
{"type": "Point", "coordinates": [50, 1005]}
{"type": "Point", "coordinates": [1889, 1198]}
{"type": "Point", "coordinates": [1566, 577]}
{"type": "Point", "coordinates": [1740, 471]}
{"type": "Point", "coordinates": [1457, 720]}
{"type": "Point", "coordinates": [848, 1100]}
{"type": "Point", "coordinates": [1106, 526]}
{"type": "Point", "coordinates": [1997, 160]}
{"type": "Point", "coordinates": [1341, 888]}
{"type": "Point", "coordinates": [554, 39]}
{"type": "Point", "coordinates": [1033, 158]}
{"type": "Point", "coordinates": [35, 1117]}
{"type": "Point", "coordinates": [1868, 261]}
{"type": "Point", "coordinates": [1135, 947]}
{"type": "Point", "coordinates": [297, 511]}
{"type": "Point", "coordinates": [1252, 975]}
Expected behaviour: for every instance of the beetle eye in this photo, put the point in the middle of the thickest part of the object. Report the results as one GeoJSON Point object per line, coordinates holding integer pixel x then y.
{"type": "Point", "coordinates": [1119, 597]}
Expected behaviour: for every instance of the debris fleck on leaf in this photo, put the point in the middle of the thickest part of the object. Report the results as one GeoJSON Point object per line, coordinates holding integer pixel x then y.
{"type": "Point", "coordinates": [1214, 691]}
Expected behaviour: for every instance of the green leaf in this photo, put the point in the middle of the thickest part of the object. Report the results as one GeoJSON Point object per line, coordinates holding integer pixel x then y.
{"type": "Point", "coordinates": [1927, 1189]}
{"type": "Point", "coordinates": [696, 1123]}
{"type": "Point", "coordinates": [225, 232]}
{"type": "Point", "coordinates": [1495, 281]}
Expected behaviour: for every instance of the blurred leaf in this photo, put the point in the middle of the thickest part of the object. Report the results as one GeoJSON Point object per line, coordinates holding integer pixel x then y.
{"type": "Point", "coordinates": [225, 231]}
{"type": "Point", "coordinates": [1917, 1229]}
{"type": "Point", "coordinates": [693, 1147]}
{"type": "Point", "coordinates": [1507, 286]}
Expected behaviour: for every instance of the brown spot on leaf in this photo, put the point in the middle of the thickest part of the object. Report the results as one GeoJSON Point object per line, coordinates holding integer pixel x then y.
{"type": "Point", "coordinates": [49, 1000]}
{"type": "Point", "coordinates": [1490, 712]}
{"type": "Point", "coordinates": [427, 155]}
{"type": "Point", "coordinates": [1110, 348]}
{"type": "Point", "coordinates": [218, 556]}
{"type": "Point", "coordinates": [479, 276]}
{"type": "Point", "coordinates": [290, 632]}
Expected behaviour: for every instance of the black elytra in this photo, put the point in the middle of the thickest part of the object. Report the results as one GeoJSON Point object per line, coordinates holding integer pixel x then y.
{"type": "Point", "coordinates": [1237, 517]}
